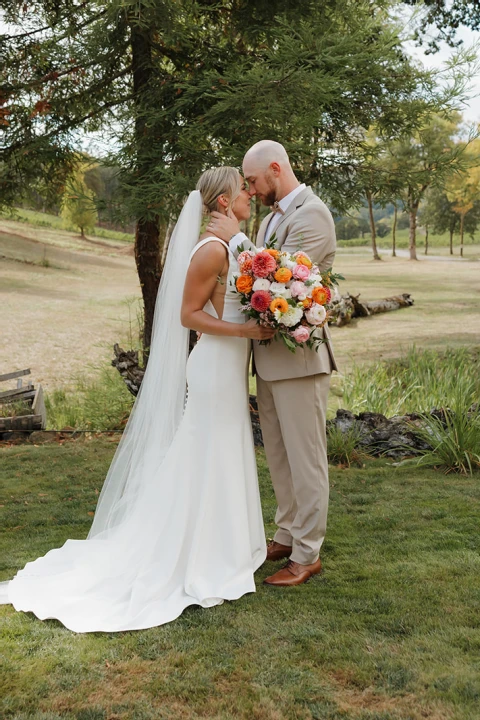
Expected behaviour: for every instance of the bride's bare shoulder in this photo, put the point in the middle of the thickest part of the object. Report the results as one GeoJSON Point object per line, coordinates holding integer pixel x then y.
{"type": "Point", "coordinates": [210, 252]}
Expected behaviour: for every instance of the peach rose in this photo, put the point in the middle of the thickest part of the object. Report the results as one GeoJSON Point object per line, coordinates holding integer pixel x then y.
{"type": "Point", "coordinates": [244, 284]}
{"type": "Point", "coordinates": [321, 295]}
{"type": "Point", "coordinates": [283, 275]}
{"type": "Point", "coordinates": [303, 260]}
{"type": "Point", "coordinates": [274, 253]}
{"type": "Point", "coordinates": [279, 304]}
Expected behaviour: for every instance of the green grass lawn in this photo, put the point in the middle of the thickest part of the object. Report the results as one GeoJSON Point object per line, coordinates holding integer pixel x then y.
{"type": "Point", "coordinates": [389, 632]}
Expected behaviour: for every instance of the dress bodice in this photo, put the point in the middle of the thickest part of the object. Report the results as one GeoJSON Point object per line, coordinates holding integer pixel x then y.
{"type": "Point", "coordinates": [232, 308]}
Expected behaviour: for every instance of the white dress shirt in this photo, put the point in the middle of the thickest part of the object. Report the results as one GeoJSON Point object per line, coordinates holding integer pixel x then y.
{"type": "Point", "coordinates": [284, 203]}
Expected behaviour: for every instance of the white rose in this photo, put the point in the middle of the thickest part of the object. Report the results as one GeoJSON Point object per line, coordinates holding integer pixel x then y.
{"type": "Point", "coordinates": [261, 284]}
{"type": "Point", "coordinates": [292, 316]}
{"type": "Point", "coordinates": [278, 288]}
{"type": "Point", "coordinates": [316, 314]}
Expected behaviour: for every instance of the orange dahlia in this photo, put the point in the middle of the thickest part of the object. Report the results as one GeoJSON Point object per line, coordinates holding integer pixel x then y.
{"type": "Point", "coordinates": [308, 302]}
{"type": "Point", "coordinates": [244, 284]}
{"type": "Point", "coordinates": [321, 295]}
{"type": "Point", "coordinates": [283, 275]}
{"type": "Point", "coordinates": [279, 304]}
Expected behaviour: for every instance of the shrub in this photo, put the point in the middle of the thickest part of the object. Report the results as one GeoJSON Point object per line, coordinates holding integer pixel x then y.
{"type": "Point", "coordinates": [418, 382]}
{"type": "Point", "coordinates": [453, 434]}
{"type": "Point", "coordinates": [342, 447]}
{"type": "Point", "coordinates": [102, 403]}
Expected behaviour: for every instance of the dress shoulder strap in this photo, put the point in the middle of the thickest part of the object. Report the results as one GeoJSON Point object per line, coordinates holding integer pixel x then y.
{"type": "Point", "coordinates": [207, 240]}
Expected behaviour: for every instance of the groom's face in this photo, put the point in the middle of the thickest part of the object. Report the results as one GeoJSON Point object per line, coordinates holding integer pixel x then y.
{"type": "Point", "coordinates": [261, 182]}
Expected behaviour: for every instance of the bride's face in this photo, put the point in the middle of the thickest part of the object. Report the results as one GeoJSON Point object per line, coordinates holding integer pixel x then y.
{"type": "Point", "coordinates": [241, 206]}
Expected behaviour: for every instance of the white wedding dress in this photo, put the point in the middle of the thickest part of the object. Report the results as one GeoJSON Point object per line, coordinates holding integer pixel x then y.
{"type": "Point", "coordinates": [195, 535]}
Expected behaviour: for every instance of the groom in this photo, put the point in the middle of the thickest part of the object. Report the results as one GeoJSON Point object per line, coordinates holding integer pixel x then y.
{"type": "Point", "coordinates": [292, 389]}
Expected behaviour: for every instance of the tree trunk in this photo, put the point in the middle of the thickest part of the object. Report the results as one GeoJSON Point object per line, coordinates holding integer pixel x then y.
{"type": "Point", "coordinates": [349, 306]}
{"type": "Point", "coordinates": [376, 256]}
{"type": "Point", "coordinates": [462, 224]}
{"type": "Point", "coordinates": [451, 241]}
{"type": "Point", "coordinates": [426, 239]}
{"type": "Point", "coordinates": [394, 231]}
{"type": "Point", "coordinates": [412, 235]}
{"type": "Point", "coordinates": [147, 241]}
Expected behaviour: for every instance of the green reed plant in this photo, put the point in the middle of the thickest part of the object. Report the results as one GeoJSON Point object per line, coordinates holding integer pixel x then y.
{"type": "Point", "coordinates": [343, 447]}
{"type": "Point", "coordinates": [96, 404]}
{"type": "Point", "coordinates": [453, 435]}
{"type": "Point", "coordinates": [418, 382]}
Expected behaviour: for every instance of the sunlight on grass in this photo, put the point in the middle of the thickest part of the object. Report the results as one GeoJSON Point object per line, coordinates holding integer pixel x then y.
{"type": "Point", "coordinates": [388, 632]}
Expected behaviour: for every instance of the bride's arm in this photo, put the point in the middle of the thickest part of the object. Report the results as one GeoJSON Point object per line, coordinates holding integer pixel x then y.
{"type": "Point", "coordinates": [202, 277]}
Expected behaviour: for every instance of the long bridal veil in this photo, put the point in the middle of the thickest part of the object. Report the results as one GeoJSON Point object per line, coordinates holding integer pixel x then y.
{"type": "Point", "coordinates": [159, 405]}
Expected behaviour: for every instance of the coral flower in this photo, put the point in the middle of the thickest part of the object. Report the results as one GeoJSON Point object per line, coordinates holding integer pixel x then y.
{"type": "Point", "coordinates": [274, 253]}
{"type": "Point", "coordinates": [303, 260]}
{"type": "Point", "coordinates": [308, 302]}
{"type": "Point", "coordinates": [245, 261]}
{"type": "Point", "coordinates": [283, 275]}
{"type": "Point", "coordinates": [261, 300]}
{"type": "Point", "coordinates": [263, 264]}
{"type": "Point", "coordinates": [321, 295]}
{"type": "Point", "coordinates": [279, 304]}
{"type": "Point", "coordinates": [244, 284]}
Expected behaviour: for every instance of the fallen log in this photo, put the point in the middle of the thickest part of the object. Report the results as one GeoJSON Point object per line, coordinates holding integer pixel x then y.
{"type": "Point", "coordinates": [348, 307]}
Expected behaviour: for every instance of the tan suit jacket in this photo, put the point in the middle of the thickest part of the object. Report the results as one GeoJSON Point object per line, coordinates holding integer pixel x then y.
{"type": "Point", "coordinates": [306, 225]}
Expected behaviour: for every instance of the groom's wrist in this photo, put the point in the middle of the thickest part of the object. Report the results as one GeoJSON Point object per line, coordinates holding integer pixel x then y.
{"type": "Point", "coordinates": [237, 240]}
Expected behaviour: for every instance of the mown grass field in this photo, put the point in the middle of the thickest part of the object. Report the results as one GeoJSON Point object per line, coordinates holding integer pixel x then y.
{"type": "Point", "coordinates": [389, 632]}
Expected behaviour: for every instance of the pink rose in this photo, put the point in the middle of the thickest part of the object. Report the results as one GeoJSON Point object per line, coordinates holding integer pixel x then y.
{"type": "Point", "coordinates": [301, 272]}
{"type": "Point", "coordinates": [301, 334]}
{"type": "Point", "coordinates": [260, 300]}
{"type": "Point", "coordinates": [299, 290]}
{"type": "Point", "coordinates": [263, 264]}
{"type": "Point", "coordinates": [316, 314]}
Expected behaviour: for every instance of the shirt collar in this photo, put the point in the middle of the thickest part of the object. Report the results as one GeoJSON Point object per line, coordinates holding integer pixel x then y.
{"type": "Point", "coordinates": [285, 202]}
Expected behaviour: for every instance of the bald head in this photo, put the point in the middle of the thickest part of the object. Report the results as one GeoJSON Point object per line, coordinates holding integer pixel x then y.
{"type": "Point", "coordinates": [267, 169]}
{"type": "Point", "coordinates": [265, 152]}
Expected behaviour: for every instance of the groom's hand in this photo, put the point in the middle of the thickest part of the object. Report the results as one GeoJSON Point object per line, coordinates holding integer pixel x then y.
{"type": "Point", "coordinates": [223, 226]}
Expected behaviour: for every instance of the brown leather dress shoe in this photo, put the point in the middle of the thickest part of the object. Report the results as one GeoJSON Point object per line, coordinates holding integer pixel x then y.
{"type": "Point", "coordinates": [294, 574]}
{"type": "Point", "coordinates": [277, 551]}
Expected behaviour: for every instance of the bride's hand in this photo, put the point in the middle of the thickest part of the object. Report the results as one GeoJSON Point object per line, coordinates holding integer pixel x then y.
{"type": "Point", "coordinates": [251, 329]}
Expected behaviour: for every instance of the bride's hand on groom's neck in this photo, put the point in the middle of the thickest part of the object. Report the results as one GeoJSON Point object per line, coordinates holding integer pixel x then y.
{"type": "Point", "coordinates": [223, 226]}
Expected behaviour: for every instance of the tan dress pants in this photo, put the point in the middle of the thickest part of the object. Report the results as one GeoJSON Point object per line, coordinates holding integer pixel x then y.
{"type": "Point", "coordinates": [293, 420]}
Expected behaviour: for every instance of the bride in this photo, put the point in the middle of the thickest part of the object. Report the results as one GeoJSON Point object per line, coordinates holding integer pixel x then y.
{"type": "Point", "coordinates": [178, 521]}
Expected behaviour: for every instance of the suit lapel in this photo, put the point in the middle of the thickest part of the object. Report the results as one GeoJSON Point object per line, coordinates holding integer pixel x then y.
{"type": "Point", "coordinates": [262, 230]}
{"type": "Point", "coordinates": [294, 205]}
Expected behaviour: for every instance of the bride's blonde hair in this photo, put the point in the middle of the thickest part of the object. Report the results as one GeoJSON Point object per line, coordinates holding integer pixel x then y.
{"type": "Point", "coordinates": [218, 181]}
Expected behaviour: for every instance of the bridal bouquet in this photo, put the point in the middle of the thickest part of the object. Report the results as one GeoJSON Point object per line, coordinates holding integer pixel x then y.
{"type": "Point", "coordinates": [285, 291]}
